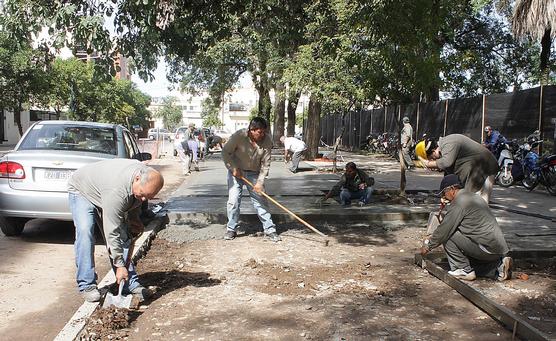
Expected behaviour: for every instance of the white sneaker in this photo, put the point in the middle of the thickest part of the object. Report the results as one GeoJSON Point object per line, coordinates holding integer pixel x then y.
{"type": "Point", "coordinates": [505, 269]}
{"type": "Point", "coordinates": [461, 274]}
{"type": "Point", "coordinates": [91, 294]}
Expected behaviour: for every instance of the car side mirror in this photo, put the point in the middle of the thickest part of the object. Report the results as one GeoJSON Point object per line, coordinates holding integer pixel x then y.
{"type": "Point", "coordinates": [143, 156]}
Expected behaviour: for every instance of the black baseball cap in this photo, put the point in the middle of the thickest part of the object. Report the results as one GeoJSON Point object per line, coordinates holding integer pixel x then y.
{"type": "Point", "coordinates": [448, 181]}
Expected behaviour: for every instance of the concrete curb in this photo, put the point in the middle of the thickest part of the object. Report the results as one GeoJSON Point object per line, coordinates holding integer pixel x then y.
{"type": "Point", "coordinates": [77, 322]}
{"type": "Point", "coordinates": [180, 218]}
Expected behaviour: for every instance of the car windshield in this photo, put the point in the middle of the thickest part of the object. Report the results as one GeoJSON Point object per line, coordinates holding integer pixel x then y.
{"type": "Point", "coordinates": [70, 137]}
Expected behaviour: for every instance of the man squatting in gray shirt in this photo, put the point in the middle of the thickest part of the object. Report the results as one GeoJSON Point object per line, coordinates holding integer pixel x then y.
{"type": "Point", "coordinates": [113, 190]}
{"type": "Point", "coordinates": [472, 239]}
{"type": "Point", "coordinates": [469, 160]}
{"type": "Point", "coordinates": [247, 154]}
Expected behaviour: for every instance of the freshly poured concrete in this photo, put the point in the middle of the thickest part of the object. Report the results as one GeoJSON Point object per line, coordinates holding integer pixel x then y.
{"type": "Point", "coordinates": [204, 194]}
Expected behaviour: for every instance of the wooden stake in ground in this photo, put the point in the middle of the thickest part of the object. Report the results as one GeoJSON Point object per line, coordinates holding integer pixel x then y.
{"type": "Point", "coordinates": [289, 212]}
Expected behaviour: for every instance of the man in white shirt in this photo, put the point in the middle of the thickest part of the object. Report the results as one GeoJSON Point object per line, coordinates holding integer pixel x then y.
{"type": "Point", "coordinates": [296, 147]}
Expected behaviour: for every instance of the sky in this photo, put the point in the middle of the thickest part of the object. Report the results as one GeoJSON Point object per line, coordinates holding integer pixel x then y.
{"type": "Point", "coordinates": [159, 87]}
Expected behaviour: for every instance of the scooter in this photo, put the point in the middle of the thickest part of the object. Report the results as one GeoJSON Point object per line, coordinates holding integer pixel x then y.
{"type": "Point", "coordinates": [505, 162]}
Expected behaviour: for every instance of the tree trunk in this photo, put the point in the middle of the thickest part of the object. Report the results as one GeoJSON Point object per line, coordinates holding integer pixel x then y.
{"type": "Point", "coordinates": [17, 118]}
{"type": "Point", "coordinates": [293, 99]}
{"type": "Point", "coordinates": [279, 112]}
{"type": "Point", "coordinates": [313, 129]}
{"type": "Point", "coordinates": [403, 179]}
{"type": "Point", "coordinates": [545, 57]}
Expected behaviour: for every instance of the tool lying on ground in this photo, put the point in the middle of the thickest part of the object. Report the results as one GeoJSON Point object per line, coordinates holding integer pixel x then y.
{"type": "Point", "coordinates": [121, 301]}
{"type": "Point", "coordinates": [289, 212]}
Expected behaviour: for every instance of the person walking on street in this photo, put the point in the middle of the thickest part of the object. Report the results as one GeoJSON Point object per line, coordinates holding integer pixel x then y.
{"type": "Point", "coordinates": [407, 142]}
{"type": "Point", "coordinates": [110, 193]}
{"type": "Point", "coordinates": [294, 146]}
{"type": "Point", "coordinates": [354, 184]}
{"type": "Point", "coordinates": [472, 239]}
{"type": "Point", "coordinates": [247, 154]}
{"type": "Point", "coordinates": [457, 154]}
{"type": "Point", "coordinates": [191, 146]}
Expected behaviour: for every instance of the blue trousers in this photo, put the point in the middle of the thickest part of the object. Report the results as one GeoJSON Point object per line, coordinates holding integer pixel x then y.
{"type": "Point", "coordinates": [83, 212]}
{"type": "Point", "coordinates": [364, 195]}
{"type": "Point", "coordinates": [235, 189]}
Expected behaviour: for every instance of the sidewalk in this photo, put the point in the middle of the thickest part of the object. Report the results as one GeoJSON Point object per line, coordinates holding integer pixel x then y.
{"type": "Point", "coordinates": [204, 194]}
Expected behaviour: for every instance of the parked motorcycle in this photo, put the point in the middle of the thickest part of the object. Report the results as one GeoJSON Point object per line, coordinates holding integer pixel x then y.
{"type": "Point", "coordinates": [505, 163]}
{"type": "Point", "coordinates": [371, 144]}
{"type": "Point", "coordinates": [537, 170]}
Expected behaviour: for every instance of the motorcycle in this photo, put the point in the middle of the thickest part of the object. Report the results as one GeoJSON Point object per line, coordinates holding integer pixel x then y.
{"type": "Point", "coordinates": [537, 170]}
{"type": "Point", "coordinates": [505, 162]}
{"type": "Point", "coordinates": [371, 144]}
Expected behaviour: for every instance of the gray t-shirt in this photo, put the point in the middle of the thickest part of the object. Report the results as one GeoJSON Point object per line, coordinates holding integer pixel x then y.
{"type": "Point", "coordinates": [107, 185]}
{"type": "Point", "coordinates": [470, 214]}
{"type": "Point", "coordinates": [469, 160]}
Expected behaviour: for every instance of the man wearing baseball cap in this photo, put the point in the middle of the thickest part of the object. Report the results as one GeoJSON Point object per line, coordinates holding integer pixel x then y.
{"type": "Point", "coordinates": [472, 239]}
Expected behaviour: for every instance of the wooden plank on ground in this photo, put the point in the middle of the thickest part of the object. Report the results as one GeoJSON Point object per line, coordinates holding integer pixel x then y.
{"type": "Point", "coordinates": [502, 314]}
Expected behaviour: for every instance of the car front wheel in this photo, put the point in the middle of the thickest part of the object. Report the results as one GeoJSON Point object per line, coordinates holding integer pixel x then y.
{"type": "Point", "coordinates": [12, 226]}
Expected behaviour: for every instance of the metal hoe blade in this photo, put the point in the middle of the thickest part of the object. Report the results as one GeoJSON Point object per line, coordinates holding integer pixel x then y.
{"type": "Point", "coordinates": [119, 301]}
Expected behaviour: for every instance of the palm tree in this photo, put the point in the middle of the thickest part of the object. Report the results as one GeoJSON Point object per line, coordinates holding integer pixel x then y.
{"type": "Point", "coordinates": [536, 19]}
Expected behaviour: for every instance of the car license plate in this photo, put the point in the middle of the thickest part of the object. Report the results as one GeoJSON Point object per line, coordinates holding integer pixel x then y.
{"type": "Point", "coordinates": [57, 174]}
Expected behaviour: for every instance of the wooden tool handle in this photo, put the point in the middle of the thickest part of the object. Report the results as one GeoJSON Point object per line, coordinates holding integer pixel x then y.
{"type": "Point", "coordinates": [285, 209]}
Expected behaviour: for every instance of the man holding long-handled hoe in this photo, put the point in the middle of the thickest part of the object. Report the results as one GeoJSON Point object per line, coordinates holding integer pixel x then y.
{"type": "Point", "coordinates": [112, 190]}
{"type": "Point", "coordinates": [247, 154]}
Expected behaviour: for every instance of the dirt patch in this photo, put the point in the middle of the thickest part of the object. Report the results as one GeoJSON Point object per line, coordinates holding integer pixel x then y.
{"type": "Point", "coordinates": [531, 294]}
{"type": "Point", "coordinates": [109, 323]}
{"type": "Point", "coordinates": [364, 286]}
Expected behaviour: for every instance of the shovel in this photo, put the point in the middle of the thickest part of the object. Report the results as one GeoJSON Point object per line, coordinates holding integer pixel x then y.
{"type": "Point", "coordinates": [119, 301]}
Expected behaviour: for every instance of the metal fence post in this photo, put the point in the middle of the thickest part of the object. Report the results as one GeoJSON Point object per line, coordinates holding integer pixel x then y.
{"type": "Point", "coordinates": [417, 124]}
{"type": "Point", "coordinates": [483, 120]}
{"type": "Point", "coordinates": [445, 118]}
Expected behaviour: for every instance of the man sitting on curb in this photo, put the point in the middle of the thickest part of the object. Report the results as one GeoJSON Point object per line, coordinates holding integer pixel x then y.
{"type": "Point", "coordinates": [354, 184]}
{"type": "Point", "coordinates": [472, 239]}
{"type": "Point", "coordinates": [294, 146]}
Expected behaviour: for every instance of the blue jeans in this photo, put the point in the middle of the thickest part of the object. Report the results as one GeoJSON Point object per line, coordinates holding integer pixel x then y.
{"type": "Point", "coordinates": [364, 195]}
{"type": "Point", "coordinates": [84, 219]}
{"type": "Point", "coordinates": [235, 189]}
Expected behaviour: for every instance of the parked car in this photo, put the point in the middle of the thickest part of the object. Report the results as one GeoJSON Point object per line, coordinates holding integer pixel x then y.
{"type": "Point", "coordinates": [159, 134]}
{"type": "Point", "coordinates": [33, 177]}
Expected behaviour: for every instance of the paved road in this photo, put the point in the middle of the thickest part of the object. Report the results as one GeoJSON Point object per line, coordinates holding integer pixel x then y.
{"type": "Point", "coordinates": [38, 294]}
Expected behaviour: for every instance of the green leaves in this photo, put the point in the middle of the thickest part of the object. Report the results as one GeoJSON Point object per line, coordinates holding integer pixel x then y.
{"type": "Point", "coordinates": [170, 112]}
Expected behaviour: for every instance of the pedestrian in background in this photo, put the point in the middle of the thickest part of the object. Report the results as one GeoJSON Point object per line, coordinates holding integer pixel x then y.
{"type": "Point", "coordinates": [406, 137]}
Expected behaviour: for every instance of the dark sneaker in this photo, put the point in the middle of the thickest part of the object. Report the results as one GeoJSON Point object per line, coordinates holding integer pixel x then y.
{"type": "Point", "coordinates": [462, 274]}
{"type": "Point", "coordinates": [505, 269]}
{"type": "Point", "coordinates": [274, 237]}
{"type": "Point", "coordinates": [230, 235]}
{"type": "Point", "coordinates": [141, 293]}
{"type": "Point", "coordinates": [91, 294]}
